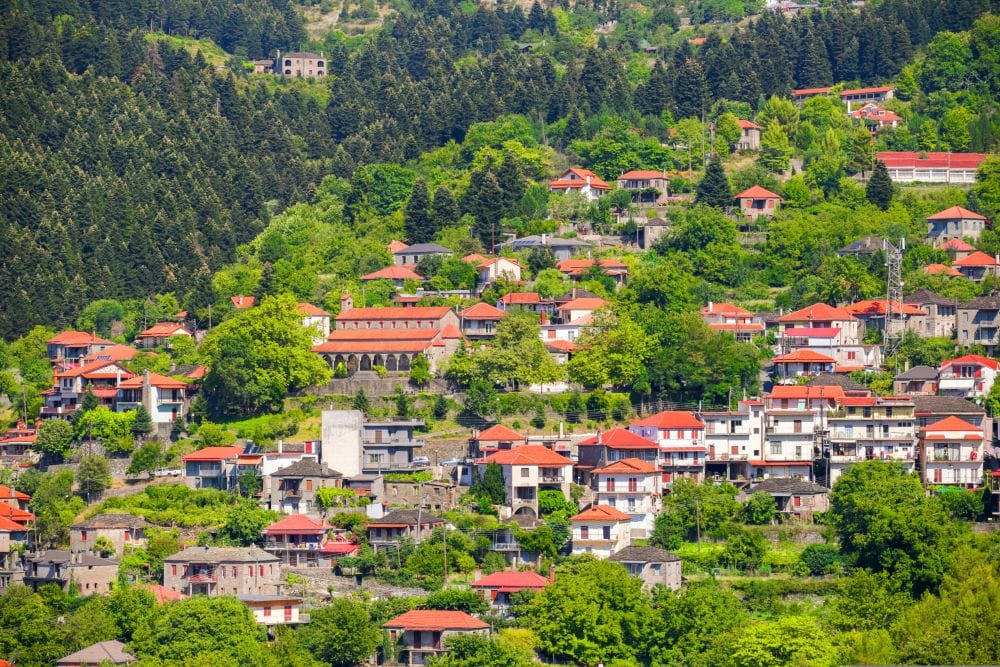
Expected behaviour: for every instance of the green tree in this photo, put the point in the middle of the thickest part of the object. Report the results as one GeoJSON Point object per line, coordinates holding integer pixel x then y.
{"type": "Point", "coordinates": [444, 210]}
{"type": "Point", "coordinates": [713, 189]}
{"type": "Point", "coordinates": [440, 408]}
{"type": "Point", "coordinates": [517, 355]}
{"type": "Point", "coordinates": [341, 633]}
{"type": "Point", "coordinates": [615, 349]}
{"type": "Point", "coordinates": [760, 509]}
{"type": "Point", "coordinates": [54, 507]}
{"type": "Point", "coordinates": [985, 194]}
{"type": "Point", "coordinates": [553, 500]}
{"type": "Point", "coordinates": [457, 599]}
{"type": "Point", "coordinates": [879, 188]}
{"type": "Point", "coordinates": [103, 547]}
{"type": "Point", "coordinates": [249, 482]}
{"type": "Point", "coordinates": [54, 438]}
{"type": "Point", "coordinates": [146, 458]}
{"type": "Point", "coordinates": [89, 401]}
{"type": "Point", "coordinates": [476, 651]}
{"type": "Point", "coordinates": [245, 523]}
{"type": "Point", "coordinates": [775, 149]}
{"type": "Point", "coordinates": [790, 640]}
{"type": "Point", "coordinates": [745, 549]}
{"type": "Point", "coordinates": [481, 399]}
{"type": "Point", "coordinates": [820, 559]}
{"type": "Point", "coordinates": [93, 475]}
{"type": "Point", "coordinates": [695, 617]}
{"type": "Point", "coordinates": [28, 628]}
{"type": "Point", "coordinates": [360, 402]}
{"type": "Point", "coordinates": [419, 220]}
{"type": "Point", "coordinates": [727, 125]}
{"type": "Point", "coordinates": [491, 485]}
{"type": "Point", "coordinates": [420, 371]}
{"type": "Point", "coordinates": [143, 424]}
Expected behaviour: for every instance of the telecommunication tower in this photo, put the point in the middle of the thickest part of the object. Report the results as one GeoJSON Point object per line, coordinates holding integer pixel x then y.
{"type": "Point", "coordinates": [894, 321]}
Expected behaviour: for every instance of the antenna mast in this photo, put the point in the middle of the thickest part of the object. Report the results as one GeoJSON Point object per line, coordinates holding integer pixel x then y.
{"type": "Point", "coordinates": [894, 321]}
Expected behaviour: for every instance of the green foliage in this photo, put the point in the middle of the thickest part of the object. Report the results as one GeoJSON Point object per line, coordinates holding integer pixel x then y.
{"type": "Point", "coordinates": [962, 504]}
{"type": "Point", "coordinates": [759, 509]}
{"type": "Point", "coordinates": [820, 559]}
{"type": "Point", "coordinates": [775, 149]}
{"type": "Point", "coordinates": [93, 475]}
{"type": "Point", "coordinates": [54, 438]}
{"type": "Point", "coordinates": [551, 501]}
{"type": "Point", "coordinates": [28, 629]}
{"type": "Point", "coordinates": [516, 356]}
{"type": "Point", "coordinates": [175, 505]}
{"type": "Point", "coordinates": [713, 189]}
{"type": "Point", "coordinates": [146, 458]}
{"type": "Point", "coordinates": [457, 599]}
{"type": "Point", "coordinates": [115, 430]}
{"type": "Point", "coordinates": [791, 640]}
{"type": "Point", "coordinates": [420, 371]}
{"type": "Point", "coordinates": [341, 633]}
{"type": "Point", "coordinates": [143, 422]}
{"type": "Point", "coordinates": [745, 549]}
{"type": "Point", "coordinates": [249, 482]}
{"type": "Point", "coordinates": [54, 506]}
{"type": "Point", "coordinates": [481, 399]}
{"type": "Point", "coordinates": [245, 523]}
{"type": "Point", "coordinates": [476, 651]}
{"type": "Point", "coordinates": [613, 350]}
{"type": "Point", "coordinates": [491, 485]}
{"type": "Point", "coordinates": [694, 617]}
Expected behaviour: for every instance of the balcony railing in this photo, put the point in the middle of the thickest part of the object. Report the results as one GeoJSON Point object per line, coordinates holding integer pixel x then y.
{"type": "Point", "coordinates": [551, 478]}
{"type": "Point", "coordinates": [524, 501]}
{"type": "Point", "coordinates": [726, 457]}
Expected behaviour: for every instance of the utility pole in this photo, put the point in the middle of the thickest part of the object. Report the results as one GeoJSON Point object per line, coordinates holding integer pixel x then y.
{"type": "Point", "coordinates": [894, 322]}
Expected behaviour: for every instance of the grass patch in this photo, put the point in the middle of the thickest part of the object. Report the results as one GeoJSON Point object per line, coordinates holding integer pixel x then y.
{"type": "Point", "coordinates": [317, 89]}
{"type": "Point", "coordinates": [212, 52]}
{"type": "Point", "coordinates": [175, 505]}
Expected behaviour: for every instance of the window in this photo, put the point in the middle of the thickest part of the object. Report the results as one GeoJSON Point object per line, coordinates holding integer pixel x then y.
{"type": "Point", "coordinates": [584, 532]}
{"type": "Point", "coordinates": [83, 535]}
{"type": "Point", "coordinates": [797, 426]}
{"type": "Point", "coordinates": [776, 448]}
{"type": "Point", "coordinates": [606, 532]}
{"type": "Point", "coordinates": [656, 568]}
{"type": "Point", "coordinates": [250, 571]}
{"type": "Point", "coordinates": [260, 570]}
{"type": "Point", "coordinates": [267, 611]}
{"type": "Point", "coordinates": [525, 472]}
{"type": "Point", "coordinates": [797, 501]}
{"type": "Point", "coordinates": [173, 570]}
{"type": "Point", "coordinates": [610, 485]}
{"type": "Point", "coordinates": [633, 484]}
{"type": "Point", "coordinates": [234, 571]}
{"type": "Point", "coordinates": [309, 485]}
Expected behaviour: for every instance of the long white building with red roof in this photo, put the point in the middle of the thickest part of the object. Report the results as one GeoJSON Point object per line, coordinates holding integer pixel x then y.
{"type": "Point", "coordinates": [931, 167]}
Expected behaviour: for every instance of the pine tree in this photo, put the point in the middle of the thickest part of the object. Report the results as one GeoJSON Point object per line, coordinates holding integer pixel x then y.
{"type": "Point", "coordinates": [714, 189]}
{"type": "Point", "coordinates": [775, 150]}
{"type": "Point", "coordinates": [879, 188]}
{"type": "Point", "coordinates": [89, 401]}
{"type": "Point", "coordinates": [485, 200]}
{"type": "Point", "coordinates": [574, 126]}
{"type": "Point", "coordinates": [360, 402]}
{"type": "Point", "coordinates": [690, 90]}
{"type": "Point", "coordinates": [143, 422]}
{"type": "Point", "coordinates": [440, 408]}
{"type": "Point", "coordinates": [419, 224]}
{"type": "Point", "coordinates": [513, 182]}
{"type": "Point", "coordinates": [444, 210]}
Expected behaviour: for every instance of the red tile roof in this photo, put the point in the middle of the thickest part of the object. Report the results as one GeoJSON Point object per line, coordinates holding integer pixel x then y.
{"type": "Point", "coordinates": [512, 581]}
{"type": "Point", "coordinates": [956, 213]}
{"type": "Point", "coordinates": [343, 335]}
{"type": "Point", "coordinates": [483, 311]}
{"type": "Point", "coordinates": [818, 312]}
{"type": "Point", "coordinates": [372, 345]}
{"type": "Point", "coordinates": [395, 246]}
{"type": "Point", "coordinates": [584, 303]}
{"type": "Point", "coordinates": [811, 332]}
{"type": "Point", "coordinates": [671, 419]}
{"type": "Point", "coordinates": [393, 273]}
{"type": "Point", "coordinates": [8, 526]}
{"type": "Point", "coordinates": [747, 125]}
{"type": "Point", "coordinates": [978, 258]}
{"type": "Point", "coordinates": [724, 309]}
{"type": "Point", "coordinates": [162, 594]}
{"type": "Point", "coordinates": [310, 310]}
{"type": "Point", "coordinates": [803, 356]}
{"type": "Point", "coordinates": [156, 380]}
{"type": "Point", "coordinates": [601, 513]}
{"type": "Point", "coordinates": [880, 306]}
{"type": "Point", "coordinates": [565, 183]}
{"type": "Point", "coordinates": [536, 455]}
{"type": "Point", "coordinates": [811, 91]}
{"type": "Point", "coordinates": [296, 524]}
{"type": "Point", "coordinates": [801, 391]}
{"type": "Point", "coordinates": [394, 313]}
{"type": "Point", "coordinates": [493, 260]}
{"type": "Point", "coordinates": [8, 493]}
{"type": "Point", "coordinates": [956, 244]}
{"type": "Point", "coordinates": [76, 338]}
{"type": "Point", "coordinates": [560, 345]}
{"type": "Point", "coordinates": [641, 175]}
{"type": "Point", "coordinates": [214, 454]}
{"type": "Point", "coordinates": [499, 433]}
{"type": "Point", "coordinates": [933, 159]}
{"type": "Point", "coordinates": [340, 547]}
{"type": "Point", "coordinates": [89, 370]}
{"type": "Point", "coordinates": [163, 329]}
{"type": "Point", "coordinates": [241, 302]}
{"type": "Point", "coordinates": [866, 91]}
{"type": "Point", "coordinates": [973, 359]}
{"type": "Point", "coordinates": [757, 192]}
{"type": "Point", "coordinates": [117, 352]}
{"type": "Point", "coordinates": [15, 513]}
{"type": "Point", "coordinates": [450, 332]}
{"type": "Point", "coordinates": [620, 438]}
{"type": "Point", "coordinates": [474, 258]}
{"type": "Point", "coordinates": [874, 112]}
{"type": "Point", "coordinates": [941, 269]}
{"type": "Point", "coordinates": [520, 298]}
{"type": "Point", "coordinates": [951, 424]}
{"type": "Point", "coordinates": [627, 466]}
{"type": "Point", "coordinates": [430, 620]}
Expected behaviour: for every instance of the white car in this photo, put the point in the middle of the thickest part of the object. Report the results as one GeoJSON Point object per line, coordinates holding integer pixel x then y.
{"type": "Point", "coordinates": [451, 463]}
{"type": "Point", "coordinates": [421, 461]}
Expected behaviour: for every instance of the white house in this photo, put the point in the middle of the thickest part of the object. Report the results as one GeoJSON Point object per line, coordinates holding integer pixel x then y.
{"type": "Point", "coordinates": [491, 270]}
{"type": "Point", "coordinates": [315, 319]}
{"type": "Point", "coordinates": [164, 397]}
{"type": "Point", "coordinates": [528, 470]}
{"type": "Point", "coordinates": [632, 486]}
{"type": "Point", "coordinates": [584, 181]}
{"type": "Point", "coordinates": [274, 609]}
{"type": "Point", "coordinates": [600, 530]}
{"type": "Point", "coordinates": [969, 376]}
{"type": "Point", "coordinates": [951, 452]}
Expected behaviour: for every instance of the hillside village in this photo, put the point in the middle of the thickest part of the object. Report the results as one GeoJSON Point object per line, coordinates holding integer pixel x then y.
{"type": "Point", "coordinates": [481, 336]}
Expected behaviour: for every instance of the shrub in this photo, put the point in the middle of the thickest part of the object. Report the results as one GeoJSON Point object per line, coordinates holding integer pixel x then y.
{"type": "Point", "coordinates": [821, 559]}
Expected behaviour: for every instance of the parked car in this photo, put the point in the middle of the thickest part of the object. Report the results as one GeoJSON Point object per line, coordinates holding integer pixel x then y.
{"type": "Point", "coordinates": [421, 461]}
{"type": "Point", "coordinates": [451, 463]}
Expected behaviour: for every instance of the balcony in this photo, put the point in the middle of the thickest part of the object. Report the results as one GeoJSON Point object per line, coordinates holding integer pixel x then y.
{"type": "Point", "coordinates": [524, 502]}
{"type": "Point", "coordinates": [552, 479]}
{"type": "Point", "coordinates": [292, 546]}
{"type": "Point", "coordinates": [200, 578]}
{"type": "Point", "coordinates": [58, 410]}
{"type": "Point", "coordinates": [717, 458]}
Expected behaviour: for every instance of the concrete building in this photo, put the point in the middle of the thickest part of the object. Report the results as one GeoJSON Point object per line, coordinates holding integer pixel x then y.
{"type": "Point", "coordinates": [951, 453]}
{"type": "Point", "coordinates": [212, 468]}
{"type": "Point", "coordinates": [120, 529]}
{"type": "Point", "coordinates": [865, 428]}
{"type": "Point", "coordinates": [92, 575]}
{"type": "Point", "coordinates": [317, 319]}
{"type": "Point", "coordinates": [422, 632]}
{"type": "Point", "coordinates": [270, 610]}
{"type": "Point", "coordinates": [352, 446]}
{"type": "Point", "coordinates": [480, 321]}
{"type": "Point", "coordinates": [215, 571]}
{"type": "Point", "coordinates": [411, 255]}
{"type": "Point", "coordinates": [528, 470]}
{"type": "Point", "coordinates": [632, 486]}
{"type": "Point", "coordinates": [165, 398]}
{"type": "Point", "coordinates": [587, 183]}
{"type": "Point", "coordinates": [970, 376]}
{"type": "Point", "coordinates": [654, 566]}
{"type": "Point", "coordinates": [680, 436]}
{"type": "Point", "coordinates": [69, 348]}
{"type": "Point", "coordinates": [733, 438]}
{"type": "Point", "coordinates": [931, 167]}
{"type": "Point", "coordinates": [600, 530]}
{"type": "Point", "coordinates": [941, 312]}
{"type": "Point", "coordinates": [413, 524]}
{"type": "Point", "coordinates": [978, 323]}
{"type": "Point", "coordinates": [977, 266]}
{"type": "Point", "coordinates": [917, 381]}
{"type": "Point", "coordinates": [301, 541]}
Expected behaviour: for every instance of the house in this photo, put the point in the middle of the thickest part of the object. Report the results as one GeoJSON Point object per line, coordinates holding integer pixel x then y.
{"type": "Point", "coordinates": [874, 313]}
{"type": "Point", "coordinates": [756, 202]}
{"type": "Point", "coordinates": [292, 489]}
{"type": "Point", "coordinates": [561, 248]}
{"type": "Point", "coordinates": [16, 442]}
{"type": "Point", "coordinates": [632, 486]}
{"type": "Point", "coordinates": [579, 268]}
{"type": "Point", "coordinates": [435, 495]}
{"type": "Point", "coordinates": [415, 525]}
{"type": "Point", "coordinates": [395, 246]}
{"type": "Point", "coordinates": [579, 308]}
{"type": "Point", "coordinates": [569, 330]}
{"type": "Point", "coordinates": [300, 64]}
{"type": "Point", "coordinates": [69, 348]}
{"type": "Point", "coordinates": [654, 566]}
{"type": "Point", "coordinates": [100, 377]}
{"type": "Point", "coordinates": [398, 275]}
{"type": "Point", "coordinates": [824, 316]}
{"type": "Point", "coordinates": [411, 255]}
{"type": "Point", "coordinates": [316, 319]}
{"type": "Point", "coordinates": [870, 427]}
{"type": "Point", "coordinates": [352, 446]}
{"type": "Point", "coordinates": [496, 268]}
{"type": "Point", "coordinates": [215, 571]}
{"type": "Point", "coordinates": [14, 539]}
{"type": "Point", "coordinates": [978, 323]}
{"type": "Point", "coordinates": [813, 398]}
{"type": "Point", "coordinates": [120, 529]}
{"type": "Point", "coordinates": [917, 381]}
{"type": "Point", "coordinates": [101, 654]}
{"type": "Point", "coordinates": [480, 321]}
{"type": "Point", "coordinates": [90, 574]}
{"type": "Point", "coordinates": [970, 376]}
{"type": "Point", "coordinates": [750, 134]}
{"type": "Point", "coordinates": [957, 248]}
{"type": "Point", "coordinates": [647, 187]}
{"type": "Point", "coordinates": [242, 301]}
{"type": "Point", "coordinates": [867, 245]}
{"type": "Point", "coordinates": [561, 351]}
{"type": "Point", "coordinates": [497, 588]}
{"type": "Point", "coordinates": [393, 317]}
{"type": "Point", "coordinates": [494, 438]}
{"type": "Point", "coordinates": [160, 335]}
{"type": "Point", "coordinates": [165, 398]}
{"type": "Point", "coordinates": [941, 313]}
{"type": "Point", "coordinates": [600, 530]}
{"type": "Point", "coordinates": [798, 498]}
{"type": "Point", "coordinates": [930, 409]}
{"type": "Point", "coordinates": [727, 317]}
{"type": "Point", "coordinates": [263, 66]}
{"type": "Point", "coordinates": [530, 301]}
{"type": "Point", "coordinates": [931, 167]}
{"type": "Point", "coordinates": [802, 363]}
{"type": "Point", "coordinates": [584, 181]}
{"type": "Point", "coordinates": [270, 610]}
{"type": "Point", "coordinates": [937, 269]}
{"type": "Point", "coordinates": [866, 96]}
{"type": "Point", "coordinates": [733, 437]}
{"type": "Point", "coordinates": [421, 632]}
{"type": "Point", "coordinates": [951, 453]}
{"type": "Point", "coordinates": [528, 470]}
{"type": "Point", "coordinates": [875, 117]}
{"type": "Point", "coordinates": [977, 266]}
{"type": "Point", "coordinates": [161, 593]}
{"type": "Point", "coordinates": [788, 444]}
{"type": "Point", "coordinates": [14, 498]}
{"type": "Point", "coordinates": [955, 223]}
{"type": "Point", "coordinates": [802, 94]}
{"type": "Point", "coordinates": [212, 468]}
{"type": "Point", "coordinates": [680, 436]}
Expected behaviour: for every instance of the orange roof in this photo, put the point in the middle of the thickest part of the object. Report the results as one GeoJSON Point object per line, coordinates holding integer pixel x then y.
{"type": "Point", "coordinates": [584, 303]}
{"type": "Point", "coordinates": [372, 345]}
{"type": "Point", "coordinates": [811, 91]}
{"type": "Point", "coordinates": [162, 593]}
{"type": "Point", "coordinates": [724, 309]}
{"type": "Point", "coordinates": [163, 329]}
{"type": "Point", "coordinates": [864, 91]}
{"type": "Point", "coordinates": [88, 370]}
{"type": "Point", "coordinates": [474, 258]}
{"type": "Point", "coordinates": [520, 297]}
{"type": "Point", "coordinates": [393, 273]}
{"type": "Point", "coordinates": [7, 493]}
{"type": "Point", "coordinates": [536, 455]}
{"type": "Point", "coordinates": [757, 192]}
{"type": "Point", "coordinates": [493, 260]}
{"type": "Point", "coordinates": [747, 125]}
{"type": "Point", "coordinates": [941, 269]}
{"type": "Point", "coordinates": [956, 244]}
{"type": "Point", "coordinates": [8, 526]}
{"type": "Point", "coordinates": [395, 313]}
{"type": "Point", "coordinates": [395, 246]}
{"type": "Point", "coordinates": [977, 258]}
{"type": "Point", "coordinates": [15, 513]}
{"type": "Point", "coordinates": [310, 310]}
{"type": "Point", "coordinates": [620, 438]}
{"type": "Point", "coordinates": [76, 338]}
{"type": "Point", "coordinates": [564, 181]}
{"type": "Point", "coordinates": [240, 301]}
{"type": "Point", "coordinates": [499, 432]}
{"type": "Point", "coordinates": [879, 307]}
{"type": "Point", "coordinates": [696, 41]}
{"type": "Point", "coordinates": [512, 580]}
{"type": "Point", "coordinates": [956, 213]}
{"type": "Point", "coordinates": [811, 391]}
{"type": "Point", "coordinates": [817, 311]}
{"type": "Point", "coordinates": [601, 513]}
{"type": "Point", "coordinates": [483, 311]}
{"type": "Point", "coordinates": [803, 355]}
{"type": "Point", "coordinates": [450, 332]}
{"type": "Point", "coordinates": [973, 359]}
{"type": "Point", "coordinates": [560, 345]}
{"type": "Point", "coordinates": [432, 620]}
{"type": "Point", "coordinates": [117, 352]}
{"type": "Point", "coordinates": [671, 419]}
{"type": "Point", "coordinates": [213, 454]}
{"type": "Point", "coordinates": [627, 466]}
{"type": "Point", "coordinates": [641, 175]}
{"type": "Point", "coordinates": [951, 424]}
{"type": "Point", "coordinates": [156, 380]}
{"type": "Point", "coordinates": [296, 524]}
{"type": "Point", "coordinates": [344, 335]}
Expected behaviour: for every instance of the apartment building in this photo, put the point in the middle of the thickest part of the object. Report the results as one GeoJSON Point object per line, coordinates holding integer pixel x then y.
{"type": "Point", "coordinates": [733, 438]}
{"type": "Point", "coordinates": [865, 428]}
{"type": "Point", "coordinates": [680, 436]}
{"type": "Point", "coordinates": [978, 323]}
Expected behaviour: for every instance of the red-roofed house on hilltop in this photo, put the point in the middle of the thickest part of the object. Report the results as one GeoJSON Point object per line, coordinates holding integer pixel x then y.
{"type": "Point", "coordinates": [951, 453]}
{"type": "Point", "coordinates": [100, 377]}
{"type": "Point", "coordinates": [601, 530]}
{"type": "Point", "coordinates": [756, 202]}
{"type": "Point", "coordinates": [242, 301]}
{"type": "Point", "coordinates": [422, 632]}
{"type": "Point", "coordinates": [614, 445]}
{"type": "Point", "coordinates": [646, 186]}
{"type": "Point", "coordinates": [932, 167]}
{"type": "Point", "coordinates": [69, 348]}
{"type": "Point", "coordinates": [632, 486]}
{"type": "Point", "coordinates": [165, 398]}
{"type": "Point", "coordinates": [527, 470]}
{"type": "Point", "coordinates": [820, 331]}
{"type": "Point", "coordinates": [494, 438]}
{"type": "Point", "coordinates": [301, 541]}
{"type": "Point", "coordinates": [750, 134]}
{"type": "Point", "coordinates": [737, 321]}
{"type": "Point", "coordinates": [584, 181]}
{"type": "Point", "coordinates": [957, 248]}
{"type": "Point", "coordinates": [160, 334]}
{"type": "Point", "coordinates": [481, 320]}
{"type": "Point", "coordinates": [497, 588]}
{"type": "Point", "coordinates": [955, 223]}
{"type": "Point", "coordinates": [680, 436]}
{"type": "Point", "coordinates": [970, 376]}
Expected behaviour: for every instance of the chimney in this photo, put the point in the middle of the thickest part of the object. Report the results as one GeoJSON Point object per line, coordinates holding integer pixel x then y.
{"type": "Point", "coordinates": [560, 430]}
{"type": "Point", "coordinates": [281, 445]}
{"type": "Point", "coordinates": [552, 573]}
{"type": "Point", "coordinates": [544, 318]}
{"type": "Point", "coordinates": [710, 306]}
{"type": "Point", "coordinates": [346, 302]}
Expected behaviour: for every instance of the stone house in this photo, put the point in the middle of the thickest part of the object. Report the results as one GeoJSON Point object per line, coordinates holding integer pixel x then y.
{"type": "Point", "coordinates": [300, 64]}
{"type": "Point", "coordinates": [654, 566]}
{"type": "Point", "coordinates": [799, 498]}
{"type": "Point", "coordinates": [215, 571]}
{"type": "Point", "coordinates": [421, 632]}
{"type": "Point", "coordinates": [411, 255]}
{"type": "Point", "coordinates": [955, 223]}
{"type": "Point", "coordinates": [750, 134]}
{"type": "Point", "coordinates": [292, 489]}
{"type": "Point", "coordinates": [120, 529]}
{"type": "Point", "coordinates": [91, 574]}
{"type": "Point", "coordinates": [757, 202]}
{"type": "Point", "coordinates": [417, 525]}
{"type": "Point", "coordinates": [941, 313]}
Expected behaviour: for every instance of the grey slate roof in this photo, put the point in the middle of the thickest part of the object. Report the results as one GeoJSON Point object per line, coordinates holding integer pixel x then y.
{"type": "Point", "coordinates": [643, 555]}
{"type": "Point", "coordinates": [945, 405]}
{"type": "Point", "coordinates": [423, 249]}
{"type": "Point", "coordinates": [112, 521]}
{"type": "Point", "coordinates": [990, 302]}
{"type": "Point", "coordinates": [538, 242]}
{"type": "Point", "coordinates": [307, 468]}
{"type": "Point", "coordinates": [786, 486]}
{"type": "Point", "coordinates": [112, 651]}
{"type": "Point", "coordinates": [66, 557]}
{"type": "Point", "coordinates": [863, 246]}
{"type": "Point", "coordinates": [836, 380]}
{"type": "Point", "coordinates": [919, 373]}
{"type": "Point", "coordinates": [408, 517]}
{"type": "Point", "coordinates": [221, 555]}
{"type": "Point", "coordinates": [927, 296]}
